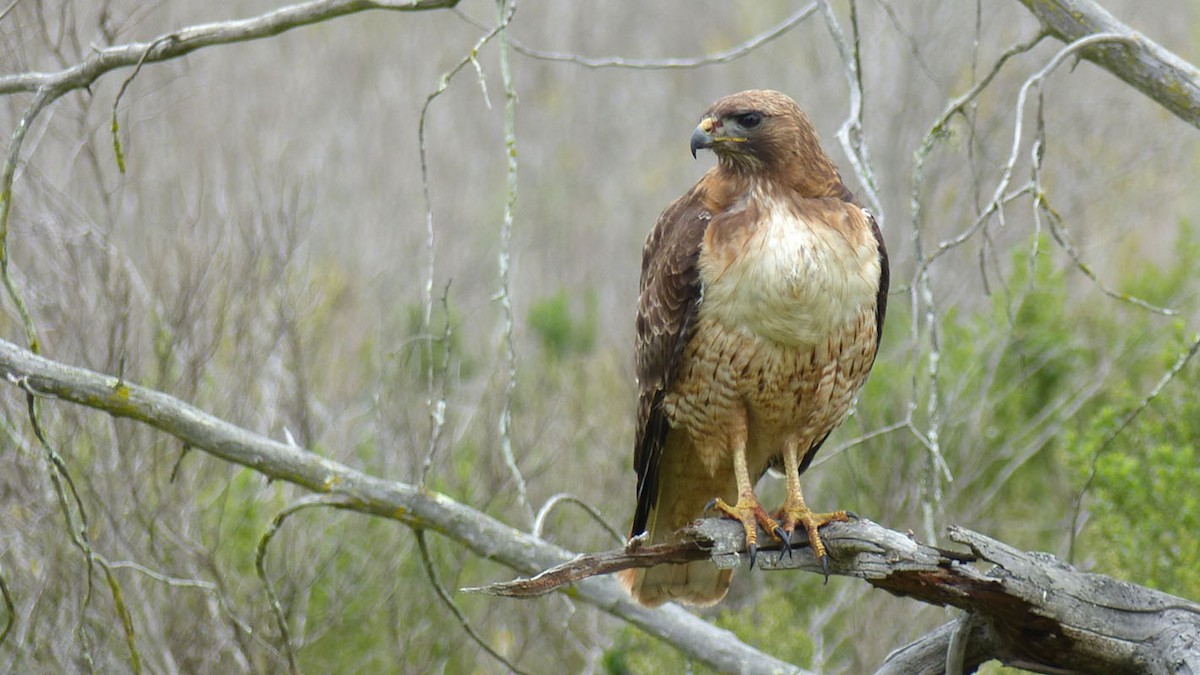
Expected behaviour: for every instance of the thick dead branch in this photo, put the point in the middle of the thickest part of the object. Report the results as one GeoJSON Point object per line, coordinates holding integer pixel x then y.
{"type": "Point", "coordinates": [1142, 63]}
{"type": "Point", "coordinates": [1029, 610]}
{"type": "Point", "coordinates": [411, 505]}
{"type": "Point", "coordinates": [934, 653]}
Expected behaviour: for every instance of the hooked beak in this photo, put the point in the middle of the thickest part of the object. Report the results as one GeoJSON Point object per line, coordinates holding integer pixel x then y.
{"type": "Point", "coordinates": [702, 137]}
{"type": "Point", "coordinates": [708, 135]}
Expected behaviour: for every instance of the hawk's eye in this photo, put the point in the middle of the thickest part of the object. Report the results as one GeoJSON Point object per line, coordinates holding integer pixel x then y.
{"type": "Point", "coordinates": [749, 120]}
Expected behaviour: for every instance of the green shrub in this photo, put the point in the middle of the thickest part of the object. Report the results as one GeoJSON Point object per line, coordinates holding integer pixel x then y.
{"type": "Point", "coordinates": [559, 331]}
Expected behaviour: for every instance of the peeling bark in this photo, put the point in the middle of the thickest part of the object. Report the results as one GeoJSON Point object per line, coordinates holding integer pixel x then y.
{"type": "Point", "coordinates": [1029, 610]}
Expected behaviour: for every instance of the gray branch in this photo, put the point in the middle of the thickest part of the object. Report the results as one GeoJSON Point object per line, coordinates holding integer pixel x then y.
{"type": "Point", "coordinates": [1031, 610]}
{"type": "Point", "coordinates": [413, 506]}
{"type": "Point", "coordinates": [1142, 63]}
{"type": "Point", "coordinates": [187, 40]}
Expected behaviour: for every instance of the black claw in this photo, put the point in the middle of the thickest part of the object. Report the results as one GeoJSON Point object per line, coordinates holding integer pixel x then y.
{"type": "Point", "coordinates": [825, 557]}
{"type": "Point", "coordinates": [753, 549]}
{"type": "Point", "coordinates": [785, 539]}
{"type": "Point", "coordinates": [853, 515]}
{"type": "Point", "coordinates": [709, 506]}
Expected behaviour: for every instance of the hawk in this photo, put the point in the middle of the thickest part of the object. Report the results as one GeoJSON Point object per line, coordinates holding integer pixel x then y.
{"type": "Point", "coordinates": [762, 297]}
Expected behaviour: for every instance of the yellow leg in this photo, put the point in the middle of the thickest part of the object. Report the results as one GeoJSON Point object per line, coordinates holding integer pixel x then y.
{"type": "Point", "coordinates": [748, 510]}
{"type": "Point", "coordinates": [796, 512]}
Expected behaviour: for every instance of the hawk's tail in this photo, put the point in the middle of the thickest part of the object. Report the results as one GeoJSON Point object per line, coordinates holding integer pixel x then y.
{"type": "Point", "coordinates": [696, 583]}
{"type": "Point", "coordinates": [699, 583]}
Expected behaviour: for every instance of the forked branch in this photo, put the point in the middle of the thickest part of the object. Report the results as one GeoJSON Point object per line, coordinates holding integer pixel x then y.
{"type": "Point", "coordinates": [1029, 609]}
{"type": "Point", "coordinates": [411, 505]}
{"type": "Point", "coordinates": [1141, 62]}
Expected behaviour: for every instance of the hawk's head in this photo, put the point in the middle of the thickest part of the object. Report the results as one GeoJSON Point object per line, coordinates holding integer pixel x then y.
{"type": "Point", "coordinates": [764, 131]}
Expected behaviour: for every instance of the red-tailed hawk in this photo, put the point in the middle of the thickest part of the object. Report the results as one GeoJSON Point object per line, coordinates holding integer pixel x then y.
{"type": "Point", "coordinates": [763, 293]}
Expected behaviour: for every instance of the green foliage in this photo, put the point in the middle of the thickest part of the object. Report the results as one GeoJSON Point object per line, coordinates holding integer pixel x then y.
{"type": "Point", "coordinates": [1162, 284]}
{"type": "Point", "coordinates": [559, 331]}
{"type": "Point", "coordinates": [236, 511]}
{"type": "Point", "coordinates": [1136, 467]}
{"type": "Point", "coordinates": [1140, 485]}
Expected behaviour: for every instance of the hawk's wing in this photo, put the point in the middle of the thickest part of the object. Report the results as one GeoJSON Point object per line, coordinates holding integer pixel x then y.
{"type": "Point", "coordinates": [667, 305]}
{"type": "Point", "coordinates": [884, 279]}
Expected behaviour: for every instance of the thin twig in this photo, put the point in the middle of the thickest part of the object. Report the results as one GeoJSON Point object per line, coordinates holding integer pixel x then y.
{"type": "Point", "coordinates": [437, 409]}
{"type": "Point", "coordinates": [191, 38]}
{"type": "Point", "coordinates": [1000, 194]}
{"type": "Point", "coordinates": [827, 455]}
{"type": "Point", "coordinates": [260, 561]}
{"type": "Point", "coordinates": [940, 129]}
{"type": "Point", "coordinates": [175, 582]}
{"type": "Point", "coordinates": [565, 497]}
{"type": "Point", "coordinates": [115, 126]}
{"type": "Point", "coordinates": [41, 99]}
{"type": "Point", "coordinates": [446, 599]}
{"type": "Point", "coordinates": [118, 598]}
{"type": "Point", "coordinates": [505, 264]}
{"type": "Point", "coordinates": [922, 297]}
{"type": "Point", "coordinates": [3, 14]}
{"type": "Point", "coordinates": [670, 63]}
{"type": "Point", "coordinates": [10, 609]}
{"type": "Point", "coordinates": [78, 533]}
{"type": "Point", "coordinates": [914, 45]}
{"type": "Point", "coordinates": [430, 231]}
{"type": "Point", "coordinates": [59, 476]}
{"type": "Point", "coordinates": [851, 132]}
{"type": "Point", "coordinates": [1060, 234]}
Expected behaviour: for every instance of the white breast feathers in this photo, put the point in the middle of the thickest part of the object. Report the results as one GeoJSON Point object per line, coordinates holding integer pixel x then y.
{"type": "Point", "coordinates": [795, 278]}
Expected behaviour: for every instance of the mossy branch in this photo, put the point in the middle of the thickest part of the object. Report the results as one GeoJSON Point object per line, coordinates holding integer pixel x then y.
{"type": "Point", "coordinates": [1139, 61]}
{"type": "Point", "coordinates": [354, 490]}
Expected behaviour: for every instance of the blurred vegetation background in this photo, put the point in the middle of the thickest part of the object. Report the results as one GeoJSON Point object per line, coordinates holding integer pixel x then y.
{"type": "Point", "coordinates": [266, 255]}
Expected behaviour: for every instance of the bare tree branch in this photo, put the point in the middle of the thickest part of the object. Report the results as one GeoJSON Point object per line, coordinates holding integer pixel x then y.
{"type": "Point", "coordinates": [411, 505]}
{"type": "Point", "coordinates": [10, 609]}
{"type": "Point", "coordinates": [539, 522]}
{"type": "Point", "coordinates": [931, 654]}
{"type": "Point", "coordinates": [1031, 610]}
{"type": "Point", "coordinates": [1002, 615]}
{"type": "Point", "coordinates": [504, 264]}
{"type": "Point", "coordinates": [725, 56]}
{"type": "Point", "coordinates": [260, 566]}
{"type": "Point", "coordinates": [850, 134]}
{"type": "Point", "coordinates": [1139, 61]}
{"type": "Point", "coordinates": [444, 595]}
{"type": "Point", "coordinates": [187, 40]}
{"type": "Point", "coordinates": [48, 87]}
{"type": "Point", "coordinates": [593, 564]}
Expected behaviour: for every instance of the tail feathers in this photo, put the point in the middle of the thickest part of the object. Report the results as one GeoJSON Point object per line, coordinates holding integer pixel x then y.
{"type": "Point", "coordinates": [698, 583]}
{"type": "Point", "coordinates": [683, 489]}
